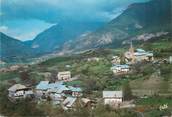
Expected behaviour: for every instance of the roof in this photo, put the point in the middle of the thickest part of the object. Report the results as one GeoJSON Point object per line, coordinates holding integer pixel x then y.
{"type": "Point", "coordinates": [65, 72]}
{"type": "Point", "coordinates": [143, 54]}
{"type": "Point", "coordinates": [17, 87]}
{"type": "Point", "coordinates": [55, 95]}
{"type": "Point", "coordinates": [57, 87]}
{"type": "Point", "coordinates": [112, 94]}
{"type": "Point", "coordinates": [43, 85]}
{"type": "Point", "coordinates": [120, 66]}
{"type": "Point", "coordinates": [85, 100]}
{"type": "Point", "coordinates": [75, 89]}
{"type": "Point", "coordinates": [62, 88]}
{"type": "Point", "coordinates": [69, 101]}
{"type": "Point", "coordinates": [140, 50]}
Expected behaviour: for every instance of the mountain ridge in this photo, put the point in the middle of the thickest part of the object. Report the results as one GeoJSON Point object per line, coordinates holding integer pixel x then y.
{"type": "Point", "coordinates": [139, 18]}
{"type": "Point", "coordinates": [54, 37]}
{"type": "Point", "coordinates": [12, 48]}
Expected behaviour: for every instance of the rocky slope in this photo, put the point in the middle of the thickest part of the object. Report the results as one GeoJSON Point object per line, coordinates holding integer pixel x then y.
{"type": "Point", "coordinates": [150, 18]}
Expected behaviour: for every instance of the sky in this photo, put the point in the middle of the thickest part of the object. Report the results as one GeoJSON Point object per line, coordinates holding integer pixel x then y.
{"type": "Point", "coordinates": [24, 19]}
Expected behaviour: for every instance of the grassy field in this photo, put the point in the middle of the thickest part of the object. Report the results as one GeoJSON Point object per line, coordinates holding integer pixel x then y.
{"type": "Point", "coordinates": [155, 101]}
{"type": "Point", "coordinates": [8, 76]}
{"type": "Point", "coordinates": [150, 106]}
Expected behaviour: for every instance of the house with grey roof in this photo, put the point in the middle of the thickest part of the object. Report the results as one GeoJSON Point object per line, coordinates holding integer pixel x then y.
{"type": "Point", "coordinates": [58, 88]}
{"type": "Point", "coordinates": [113, 98]}
{"type": "Point", "coordinates": [45, 88]}
{"type": "Point", "coordinates": [120, 69]}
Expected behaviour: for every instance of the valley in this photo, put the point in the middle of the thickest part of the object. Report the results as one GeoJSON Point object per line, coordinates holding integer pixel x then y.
{"type": "Point", "coordinates": [105, 59]}
{"type": "Point", "coordinates": [150, 82]}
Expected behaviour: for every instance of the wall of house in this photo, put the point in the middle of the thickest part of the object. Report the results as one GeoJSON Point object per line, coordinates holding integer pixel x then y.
{"type": "Point", "coordinates": [112, 101]}
{"type": "Point", "coordinates": [76, 94]}
{"type": "Point", "coordinates": [64, 76]}
{"type": "Point", "coordinates": [120, 70]}
{"type": "Point", "coordinates": [19, 93]}
{"type": "Point", "coordinates": [11, 93]}
{"type": "Point", "coordinates": [39, 93]}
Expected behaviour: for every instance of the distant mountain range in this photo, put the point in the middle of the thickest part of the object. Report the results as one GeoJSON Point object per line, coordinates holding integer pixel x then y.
{"type": "Point", "coordinates": [11, 49]}
{"type": "Point", "coordinates": [54, 38]}
{"type": "Point", "coordinates": [138, 19]}
{"type": "Point", "coordinates": [136, 22]}
{"type": "Point", "coordinates": [46, 42]}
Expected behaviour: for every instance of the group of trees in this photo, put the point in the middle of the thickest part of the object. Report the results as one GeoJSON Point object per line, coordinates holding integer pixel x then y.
{"type": "Point", "coordinates": [20, 108]}
{"type": "Point", "coordinates": [127, 93]}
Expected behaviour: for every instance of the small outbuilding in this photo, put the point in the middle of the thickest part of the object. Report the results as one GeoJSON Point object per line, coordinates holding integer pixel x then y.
{"type": "Point", "coordinates": [65, 76]}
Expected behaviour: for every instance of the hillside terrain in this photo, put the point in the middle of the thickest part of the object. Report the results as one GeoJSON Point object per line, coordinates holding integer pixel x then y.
{"type": "Point", "coordinates": [13, 49]}
{"type": "Point", "coordinates": [138, 22]}
{"type": "Point", "coordinates": [53, 38]}
{"type": "Point", "coordinates": [150, 82]}
{"type": "Point", "coordinates": [81, 60]}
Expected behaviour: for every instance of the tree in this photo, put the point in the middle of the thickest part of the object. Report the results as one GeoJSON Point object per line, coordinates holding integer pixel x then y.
{"type": "Point", "coordinates": [24, 76]}
{"type": "Point", "coordinates": [127, 93]}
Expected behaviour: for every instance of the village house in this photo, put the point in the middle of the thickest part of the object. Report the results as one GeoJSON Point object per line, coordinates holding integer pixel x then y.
{"type": "Point", "coordinates": [44, 88]}
{"type": "Point", "coordinates": [41, 88]}
{"type": "Point", "coordinates": [113, 98]}
{"type": "Point", "coordinates": [20, 91]}
{"type": "Point", "coordinates": [76, 91]}
{"type": "Point", "coordinates": [116, 60]}
{"type": "Point", "coordinates": [69, 103]}
{"type": "Point", "coordinates": [170, 59]}
{"type": "Point", "coordinates": [65, 76]}
{"type": "Point", "coordinates": [120, 69]}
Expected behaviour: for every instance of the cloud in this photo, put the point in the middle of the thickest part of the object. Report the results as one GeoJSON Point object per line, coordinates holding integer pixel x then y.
{"type": "Point", "coordinates": [26, 36]}
{"type": "Point", "coordinates": [24, 29]}
{"type": "Point", "coordinates": [24, 19]}
{"type": "Point", "coordinates": [59, 10]}
{"type": "Point", "coordinates": [3, 28]}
